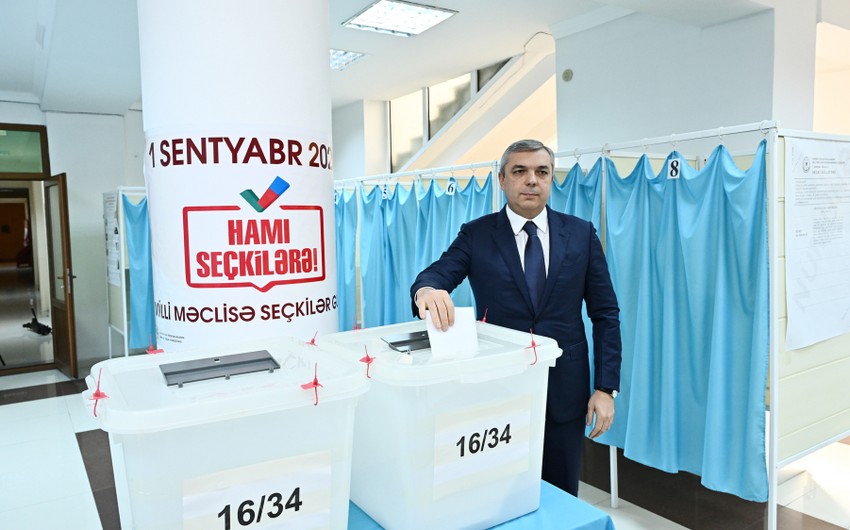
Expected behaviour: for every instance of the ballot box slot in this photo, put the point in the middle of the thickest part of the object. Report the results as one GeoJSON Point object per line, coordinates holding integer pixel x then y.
{"type": "Point", "coordinates": [219, 366]}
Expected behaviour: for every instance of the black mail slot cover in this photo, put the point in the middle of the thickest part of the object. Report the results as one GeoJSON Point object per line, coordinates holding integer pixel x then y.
{"type": "Point", "coordinates": [224, 366]}
{"type": "Point", "coordinates": [408, 342]}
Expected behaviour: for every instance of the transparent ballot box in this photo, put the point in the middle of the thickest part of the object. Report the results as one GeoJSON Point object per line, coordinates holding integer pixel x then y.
{"type": "Point", "coordinates": [256, 435]}
{"type": "Point", "coordinates": [447, 443]}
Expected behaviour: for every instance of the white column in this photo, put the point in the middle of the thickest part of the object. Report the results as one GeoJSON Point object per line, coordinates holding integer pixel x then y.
{"type": "Point", "coordinates": [794, 41]}
{"type": "Point", "coordinates": [238, 168]}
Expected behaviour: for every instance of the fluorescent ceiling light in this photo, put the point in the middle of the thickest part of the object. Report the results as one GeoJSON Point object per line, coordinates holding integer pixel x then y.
{"type": "Point", "coordinates": [398, 18]}
{"type": "Point", "coordinates": [340, 59]}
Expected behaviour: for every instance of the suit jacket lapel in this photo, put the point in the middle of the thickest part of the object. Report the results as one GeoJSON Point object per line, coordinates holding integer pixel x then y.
{"type": "Point", "coordinates": [559, 237]}
{"type": "Point", "coordinates": [506, 243]}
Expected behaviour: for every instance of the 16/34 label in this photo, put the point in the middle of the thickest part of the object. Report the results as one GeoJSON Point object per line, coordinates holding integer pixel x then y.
{"type": "Point", "coordinates": [292, 492]}
{"type": "Point", "coordinates": [478, 445]}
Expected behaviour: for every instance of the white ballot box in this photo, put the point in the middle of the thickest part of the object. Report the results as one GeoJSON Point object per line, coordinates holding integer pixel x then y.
{"type": "Point", "coordinates": [227, 438]}
{"type": "Point", "coordinates": [449, 443]}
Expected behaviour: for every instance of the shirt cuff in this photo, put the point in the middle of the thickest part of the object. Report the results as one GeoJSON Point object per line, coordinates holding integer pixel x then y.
{"type": "Point", "coordinates": [418, 292]}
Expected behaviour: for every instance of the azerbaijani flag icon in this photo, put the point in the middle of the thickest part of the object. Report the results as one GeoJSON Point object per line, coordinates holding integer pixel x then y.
{"type": "Point", "coordinates": [275, 190]}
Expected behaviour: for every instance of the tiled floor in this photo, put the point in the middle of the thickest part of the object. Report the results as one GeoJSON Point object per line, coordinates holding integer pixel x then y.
{"type": "Point", "coordinates": [20, 345]}
{"type": "Point", "coordinates": [55, 469]}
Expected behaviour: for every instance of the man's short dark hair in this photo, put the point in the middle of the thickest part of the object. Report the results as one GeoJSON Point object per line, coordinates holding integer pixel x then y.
{"type": "Point", "coordinates": [523, 146]}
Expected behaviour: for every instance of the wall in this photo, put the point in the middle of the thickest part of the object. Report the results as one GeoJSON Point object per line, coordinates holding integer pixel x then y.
{"type": "Point", "coordinates": [641, 76]}
{"type": "Point", "coordinates": [832, 107]}
{"type": "Point", "coordinates": [832, 76]}
{"type": "Point", "coordinates": [98, 153]}
{"type": "Point", "coordinates": [376, 117]}
{"type": "Point", "coordinates": [89, 148]}
{"type": "Point", "coordinates": [348, 136]}
{"type": "Point", "coordinates": [134, 149]}
{"type": "Point", "coordinates": [795, 39]}
{"type": "Point", "coordinates": [21, 113]}
{"type": "Point", "coordinates": [360, 139]}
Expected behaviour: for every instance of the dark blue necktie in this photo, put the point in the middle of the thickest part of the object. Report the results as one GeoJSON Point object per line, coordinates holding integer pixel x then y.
{"type": "Point", "coordinates": [535, 268]}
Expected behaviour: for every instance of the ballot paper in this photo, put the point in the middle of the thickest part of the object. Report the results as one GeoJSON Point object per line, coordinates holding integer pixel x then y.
{"type": "Point", "coordinates": [458, 342]}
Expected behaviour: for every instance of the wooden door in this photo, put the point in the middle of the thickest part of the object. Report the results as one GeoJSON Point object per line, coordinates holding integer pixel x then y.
{"type": "Point", "coordinates": [61, 274]}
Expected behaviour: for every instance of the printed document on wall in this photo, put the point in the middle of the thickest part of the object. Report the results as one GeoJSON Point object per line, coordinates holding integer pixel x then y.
{"type": "Point", "coordinates": [113, 238]}
{"type": "Point", "coordinates": [817, 240]}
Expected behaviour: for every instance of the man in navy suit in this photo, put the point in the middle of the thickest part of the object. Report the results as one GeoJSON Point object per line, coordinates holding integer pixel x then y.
{"type": "Point", "coordinates": [535, 278]}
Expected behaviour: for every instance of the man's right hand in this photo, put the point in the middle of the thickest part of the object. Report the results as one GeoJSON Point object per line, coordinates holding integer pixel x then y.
{"type": "Point", "coordinates": [439, 304]}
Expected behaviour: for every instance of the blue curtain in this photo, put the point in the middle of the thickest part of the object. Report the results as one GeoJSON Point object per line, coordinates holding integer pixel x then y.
{"type": "Point", "coordinates": [346, 231]}
{"type": "Point", "coordinates": [142, 330]}
{"type": "Point", "coordinates": [580, 194]}
{"type": "Point", "coordinates": [452, 207]}
{"type": "Point", "coordinates": [688, 259]}
{"type": "Point", "coordinates": [373, 275]}
{"type": "Point", "coordinates": [400, 219]}
{"type": "Point", "coordinates": [387, 243]}
{"type": "Point", "coordinates": [479, 198]}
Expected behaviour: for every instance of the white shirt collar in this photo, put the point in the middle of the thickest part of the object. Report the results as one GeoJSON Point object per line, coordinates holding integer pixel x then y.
{"type": "Point", "coordinates": [518, 222]}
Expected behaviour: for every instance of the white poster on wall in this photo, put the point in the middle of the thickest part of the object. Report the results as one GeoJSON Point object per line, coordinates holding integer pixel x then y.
{"type": "Point", "coordinates": [242, 226]}
{"type": "Point", "coordinates": [817, 240]}
{"type": "Point", "coordinates": [113, 238]}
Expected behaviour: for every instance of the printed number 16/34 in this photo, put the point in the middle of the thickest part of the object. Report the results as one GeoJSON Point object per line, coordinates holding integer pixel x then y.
{"type": "Point", "coordinates": [247, 514]}
{"type": "Point", "coordinates": [478, 442]}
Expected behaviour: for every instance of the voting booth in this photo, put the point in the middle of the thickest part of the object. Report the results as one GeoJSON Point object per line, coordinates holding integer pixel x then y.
{"type": "Point", "coordinates": [447, 443]}
{"type": "Point", "coordinates": [259, 435]}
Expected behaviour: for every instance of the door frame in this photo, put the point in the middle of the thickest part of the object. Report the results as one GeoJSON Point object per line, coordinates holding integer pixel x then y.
{"type": "Point", "coordinates": [41, 176]}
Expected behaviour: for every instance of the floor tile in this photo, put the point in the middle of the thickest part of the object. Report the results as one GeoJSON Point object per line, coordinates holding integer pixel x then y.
{"type": "Point", "coordinates": [28, 429]}
{"type": "Point", "coordinates": [32, 409]}
{"type": "Point", "coordinates": [94, 448]}
{"type": "Point", "coordinates": [41, 471]}
{"type": "Point", "coordinates": [627, 516]}
{"type": "Point", "coordinates": [75, 512]}
{"type": "Point", "coordinates": [82, 417]}
{"type": "Point", "coordinates": [794, 486]}
{"type": "Point", "coordinates": [107, 508]}
{"type": "Point", "coordinates": [31, 393]}
{"type": "Point", "coordinates": [593, 495]}
{"type": "Point", "coordinates": [826, 506]}
{"type": "Point", "coordinates": [32, 379]}
{"type": "Point", "coordinates": [828, 473]}
{"type": "Point", "coordinates": [788, 519]}
{"type": "Point", "coordinates": [95, 451]}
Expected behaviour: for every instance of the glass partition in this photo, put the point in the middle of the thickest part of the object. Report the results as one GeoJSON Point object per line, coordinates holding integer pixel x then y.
{"type": "Point", "coordinates": [406, 119]}
{"type": "Point", "coordinates": [21, 150]}
{"type": "Point", "coordinates": [445, 100]}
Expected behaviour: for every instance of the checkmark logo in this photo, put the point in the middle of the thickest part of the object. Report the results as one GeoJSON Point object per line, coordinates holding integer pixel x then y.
{"type": "Point", "coordinates": [275, 190]}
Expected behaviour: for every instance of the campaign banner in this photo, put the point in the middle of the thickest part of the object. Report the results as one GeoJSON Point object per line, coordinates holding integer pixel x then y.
{"type": "Point", "coordinates": [242, 236]}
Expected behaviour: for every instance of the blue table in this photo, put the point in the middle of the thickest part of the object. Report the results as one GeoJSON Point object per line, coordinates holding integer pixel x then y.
{"type": "Point", "coordinates": [558, 511]}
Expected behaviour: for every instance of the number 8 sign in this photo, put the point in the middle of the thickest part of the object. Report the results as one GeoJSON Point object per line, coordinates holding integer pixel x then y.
{"type": "Point", "coordinates": [674, 169]}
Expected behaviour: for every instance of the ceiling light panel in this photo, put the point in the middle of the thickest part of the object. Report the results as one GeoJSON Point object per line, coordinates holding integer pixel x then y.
{"type": "Point", "coordinates": [395, 17]}
{"type": "Point", "coordinates": [341, 59]}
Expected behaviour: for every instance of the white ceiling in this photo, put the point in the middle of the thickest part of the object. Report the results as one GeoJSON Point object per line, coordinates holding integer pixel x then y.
{"type": "Point", "coordinates": [83, 55]}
